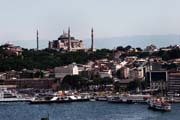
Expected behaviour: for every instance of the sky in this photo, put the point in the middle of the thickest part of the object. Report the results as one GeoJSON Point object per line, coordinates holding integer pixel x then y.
{"type": "Point", "coordinates": [19, 19]}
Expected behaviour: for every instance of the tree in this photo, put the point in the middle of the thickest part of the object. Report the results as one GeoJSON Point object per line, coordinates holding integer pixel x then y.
{"type": "Point", "coordinates": [128, 48]}
{"type": "Point", "coordinates": [73, 82]}
{"type": "Point", "coordinates": [139, 49]}
{"type": "Point", "coordinates": [106, 81]}
{"type": "Point", "coordinates": [96, 80]}
{"type": "Point", "coordinates": [134, 85]}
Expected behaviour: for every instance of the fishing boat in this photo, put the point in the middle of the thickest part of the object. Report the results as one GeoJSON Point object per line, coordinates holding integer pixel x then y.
{"type": "Point", "coordinates": [159, 104]}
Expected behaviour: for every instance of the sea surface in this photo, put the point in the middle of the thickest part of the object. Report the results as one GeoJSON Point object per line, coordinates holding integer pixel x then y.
{"type": "Point", "coordinates": [112, 42]}
{"type": "Point", "coordinates": [85, 111]}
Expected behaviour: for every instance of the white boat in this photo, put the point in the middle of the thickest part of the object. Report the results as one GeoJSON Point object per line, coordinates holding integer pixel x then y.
{"type": "Point", "coordinates": [9, 96]}
{"type": "Point", "coordinates": [101, 98]}
{"type": "Point", "coordinates": [48, 100]}
{"type": "Point", "coordinates": [127, 98]}
{"type": "Point", "coordinates": [159, 104]}
{"type": "Point", "coordinates": [78, 98]}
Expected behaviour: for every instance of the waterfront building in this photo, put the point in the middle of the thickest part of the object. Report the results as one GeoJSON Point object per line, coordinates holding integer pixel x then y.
{"type": "Point", "coordinates": [174, 84]}
{"type": "Point", "coordinates": [61, 72]}
{"type": "Point", "coordinates": [157, 80]}
{"type": "Point", "coordinates": [39, 83]}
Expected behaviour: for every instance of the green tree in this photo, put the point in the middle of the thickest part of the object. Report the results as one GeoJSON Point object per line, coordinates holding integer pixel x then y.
{"type": "Point", "coordinates": [73, 82]}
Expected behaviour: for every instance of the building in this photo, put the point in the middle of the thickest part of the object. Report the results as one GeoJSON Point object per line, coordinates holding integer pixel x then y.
{"type": "Point", "coordinates": [151, 48]}
{"type": "Point", "coordinates": [61, 72]}
{"type": "Point", "coordinates": [174, 84]}
{"type": "Point", "coordinates": [136, 73]}
{"type": "Point", "coordinates": [10, 48]}
{"type": "Point", "coordinates": [66, 42]}
{"type": "Point", "coordinates": [130, 58]}
{"type": "Point", "coordinates": [105, 73]}
{"type": "Point", "coordinates": [158, 80]}
{"type": "Point", "coordinates": [124, 73]}
{"type": "Point", "coordinates": [41, 83]}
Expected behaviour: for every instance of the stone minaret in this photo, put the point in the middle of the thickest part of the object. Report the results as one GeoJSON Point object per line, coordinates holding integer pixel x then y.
{"type": "Point", "coordinates": [69, 40]}
{"type": "Point", "coordinates": [37, 40]}
{"type": "Point", "coordinates": [92, 40]}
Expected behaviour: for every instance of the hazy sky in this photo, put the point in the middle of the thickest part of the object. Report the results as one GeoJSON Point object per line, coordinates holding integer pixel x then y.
{"type": "Point", "coordinates": [19, 19]}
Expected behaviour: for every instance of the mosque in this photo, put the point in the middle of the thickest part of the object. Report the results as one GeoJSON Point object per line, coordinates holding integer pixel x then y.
{"type": "Point", "coordinates": [68, 43]}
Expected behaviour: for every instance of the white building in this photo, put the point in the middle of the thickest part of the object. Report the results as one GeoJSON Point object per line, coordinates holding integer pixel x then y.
{"type": "Point", "coordinates": [136, 73]}
{"type": "Point", "coordinates": [105, 73]}
{"type": "Point", "coordinates": [61, 72]}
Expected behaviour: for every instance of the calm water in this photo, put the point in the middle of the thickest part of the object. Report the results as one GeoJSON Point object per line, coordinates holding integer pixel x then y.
{"type": "Point", "coordinates": [85, 111]}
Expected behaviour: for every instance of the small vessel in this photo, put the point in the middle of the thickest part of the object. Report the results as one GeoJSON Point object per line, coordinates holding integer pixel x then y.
{"type": "Point", "coordinates": [78, 98]}
{"type": "Point", "coordinates": [55, 99]}
{"type": "Point", "coordinates": [101, 98]}
{"type": "Point", "coordinates": [127, 98]}
{"type": "Point", "coordinates": [159, 104]}
{"type": "Point", "coordinates": [12, 96]}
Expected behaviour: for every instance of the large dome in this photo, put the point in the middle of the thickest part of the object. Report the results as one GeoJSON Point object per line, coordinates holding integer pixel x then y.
{"type": "Point", "coordinates": [63, 36]}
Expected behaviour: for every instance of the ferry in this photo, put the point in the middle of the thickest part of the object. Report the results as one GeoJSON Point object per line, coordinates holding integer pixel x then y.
{"type": "Point", "coordinates": [128, 98]}
{"type": "Point", "coordinates": [55, 99]}
{"type": "Point", "coordinates": [12, 96]}
{"type": "Point", "coordinates": [159, 104]}
{"type": "Point", "coordinates": [78, 98]}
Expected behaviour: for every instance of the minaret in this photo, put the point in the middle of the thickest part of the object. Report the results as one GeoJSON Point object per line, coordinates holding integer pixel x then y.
{"type": "Point", "coordinates": [37, 38]}
{"type": "Point", "coordinates": [92, 40]}
{"type": "Point", "coordinates": [69, 39]}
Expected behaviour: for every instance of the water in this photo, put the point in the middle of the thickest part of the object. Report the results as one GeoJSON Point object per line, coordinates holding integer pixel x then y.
{"type": "Point", "coordinates": [135, 41]}
{"type": "Point", "coordinates": [85, 111]}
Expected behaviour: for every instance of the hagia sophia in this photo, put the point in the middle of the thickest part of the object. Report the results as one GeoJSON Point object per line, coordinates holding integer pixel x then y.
{"type": "Point", "coordinates": [66, 42]}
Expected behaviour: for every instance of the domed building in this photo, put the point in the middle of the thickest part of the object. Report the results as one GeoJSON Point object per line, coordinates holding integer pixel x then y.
{"type": "Point", "coordinates": [66, 42]}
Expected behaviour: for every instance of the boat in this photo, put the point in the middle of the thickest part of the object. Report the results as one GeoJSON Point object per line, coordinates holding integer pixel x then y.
{"type": "Point", "coordinates": [128, 98]}
{"type": "Point", "coordinates": [55, 99]}
{"type": "Point", "coordinates": [78, 98]}
{"type": "Point", "coordinates": [159, 104]}
{"type": "Point", "coordinates": [12, 96]}
{"type": "Point", "coordinates": [101, 98]}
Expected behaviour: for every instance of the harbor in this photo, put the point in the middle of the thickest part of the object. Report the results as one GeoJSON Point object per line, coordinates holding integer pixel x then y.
{"type": "Point", "coordinates": [50, 97]}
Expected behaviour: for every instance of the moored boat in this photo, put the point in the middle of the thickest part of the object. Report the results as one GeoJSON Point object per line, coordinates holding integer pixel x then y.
{"type": "Point", "coordinates": [127, 98]}
{"type": "Point", "coordinates": [56, 99]}
{"type": "Point", "coordinates": [101, 98]}
{"type": "Point", "coordinates": [159, 104]}
{"type": "Point", "coordinates": [12, 96]}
